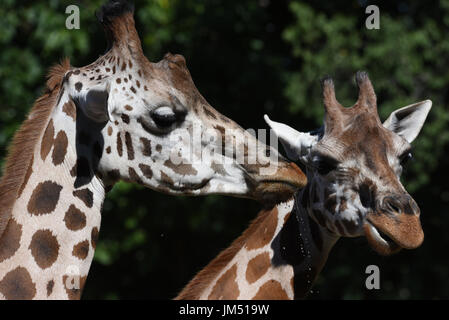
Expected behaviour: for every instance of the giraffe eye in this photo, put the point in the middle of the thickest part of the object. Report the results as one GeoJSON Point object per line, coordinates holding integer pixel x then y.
{"type": "Point", "coordinates": [407, 156]}
{"type": "Point", "coordinates": [164, 117]}
{"type": "Point", "coordinates": [324, 165]}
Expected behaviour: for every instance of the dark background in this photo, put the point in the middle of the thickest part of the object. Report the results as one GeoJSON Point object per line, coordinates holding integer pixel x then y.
{"type": "Point", "coordinates": [251, 57]}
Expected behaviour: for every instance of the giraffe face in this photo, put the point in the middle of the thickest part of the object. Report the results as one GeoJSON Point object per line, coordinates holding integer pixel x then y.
{"type": "Point", "coordinates": [354, 166]}
{"type": "Point", "coordinates": [157, 130]}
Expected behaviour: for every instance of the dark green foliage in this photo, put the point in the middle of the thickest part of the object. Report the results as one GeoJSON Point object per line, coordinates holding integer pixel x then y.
{"type": "Point", "coordinates": [248, 58]}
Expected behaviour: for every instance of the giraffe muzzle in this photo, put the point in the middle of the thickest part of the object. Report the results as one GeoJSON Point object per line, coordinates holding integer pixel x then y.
{"type": "Point", "coordinates": [281, 185]}
{"type": "Point", "coordinates": [395, 225]}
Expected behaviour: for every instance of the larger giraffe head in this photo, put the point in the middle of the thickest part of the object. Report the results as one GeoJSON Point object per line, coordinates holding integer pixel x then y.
{"type": "Point", "coordinates": [354, 165]}
{"type": "Point", "coordinates": [154, 127]}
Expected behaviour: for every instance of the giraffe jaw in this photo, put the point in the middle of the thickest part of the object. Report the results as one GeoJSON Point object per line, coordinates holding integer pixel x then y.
{"type": "Point", "coordinates": [379, 241]}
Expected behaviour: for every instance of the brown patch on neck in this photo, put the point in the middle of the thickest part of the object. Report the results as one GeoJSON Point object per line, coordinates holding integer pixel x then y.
{"type": "Point", "coordinates": [257, 267]}
{"type": "Point", "coordinates": [25, 140]}
{"type": "Point", "coordinates": [271, 290]}
{"type": "Point", "coordinates": [203, 279]}
{"type": "Point", "coordinates": [226, 287]}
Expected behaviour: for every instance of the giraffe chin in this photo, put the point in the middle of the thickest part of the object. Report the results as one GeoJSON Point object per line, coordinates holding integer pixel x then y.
{"type": "Point", "coordinates": [271, 192]}
{"type": "Point", "coordinates": [380, 242]}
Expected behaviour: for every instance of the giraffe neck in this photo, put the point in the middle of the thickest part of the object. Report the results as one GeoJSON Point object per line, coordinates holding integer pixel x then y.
{"type": "Point", "coordinates": [47, 247]}
{"type": "Point", "coordinates": [278, 257]}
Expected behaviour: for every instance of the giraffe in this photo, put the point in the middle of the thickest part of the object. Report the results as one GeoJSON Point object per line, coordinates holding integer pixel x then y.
{"type": "Point", "coordinates": [353, 166]}
{"type": "Point", "coordinates": [120, 118]}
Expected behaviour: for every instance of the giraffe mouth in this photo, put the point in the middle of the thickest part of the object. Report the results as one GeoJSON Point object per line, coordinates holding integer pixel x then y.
{"type": "Point", "coordinates": [280, 186]}
{"type": "Point", "coordinates": [379, 241]}
{"type": "Point", "coordinates": [189, 187]}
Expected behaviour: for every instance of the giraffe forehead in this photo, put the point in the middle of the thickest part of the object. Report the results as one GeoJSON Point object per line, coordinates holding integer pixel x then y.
{"type": "Point", "coordinates": [360, 139]}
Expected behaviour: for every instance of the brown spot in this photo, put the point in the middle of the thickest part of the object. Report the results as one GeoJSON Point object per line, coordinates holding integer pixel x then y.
{"type": "Point", "coordinates": [47, 140]}
{"type": "Point", "coordinates": [27, 177]}
{"type": "Point", "coordinates": [257, 267]}
{"type": "Point", "coordinates": [81, 250]}
{"type": "Point", "coordinates": [123, 66]}
{"type": "Point", "coordinates": [118, 80]}
{"type": "Point", "coordinates": [264, 233]}
{"type": "Point", "coordinates": [50, 286]}
{"type": "Point", "coordinates": [146, 147]}
{"type": "Point", "coordinates": [146, 170]}
{"type": "Point", "coordinates": [74, 218]}
{"type": "Point", "coordinates": [226, 287]}
{"type": "Point", "coordinates": [44, 248]}
{"type": "Point", "coordinates": [113, 70]}
{"type": "Point", "coordinates": [137, 83]}
{"type": "Point", "coordinates": [108, 69]}
{"type": "Point", "coordinates": [133, 89]}
{"type": "Point", "coordinates": [209, 113]}
{"type": "Point", "coordinates": [130, 76]}
{"type": "Point", "coordinates": [128, 107]}
{"type": "Point", "coordinates": [125, 79]}
{"type": "Point", "coordinates": [184, 169]}
{"type": "Point", "coordinates": [94, 237]}
{"type": "Point", "coordinates": [139, 72]}
{"type": "Point", "coordinates": [134, 176]}
{"type": "Point", "coordinates": [59, 151]}
{"type": "Point", "coordinates": [158, 148]}
{"type": "Point", "coordinates": [74, 285]}
{"type": "Point", "coordinates": [119, 145]}
{"type": "Point", "coordinates": [76, 72]}
{"type": "Point", "coordinates": [86, 196]}
{"type": "Point", "coordinates": [18, 285]}
{"type": "Point", "coordinates": [10, 240]}
{"type": "Point", "coordinates": [129, 146]}
{"type": "Point", "coordinates": [69, 109]}
{"type": "Point", "coordinates": [145, 88]}
{"type": "Point", "coordinates": [343, 205]}
{"type": "Point", "coordinates": [108, 150]}
{"type": "Point", "coordinates": [78, 86]}
{"type": "Point", "coordinates": [166, 179]}
{"type": "Point", "coordinates": [45, 197]}
{"type": "Point", "coordinates": [271, 290]}
{"type": "Point", "coordinates": [130, 64]}
{"type": "Point", "coordinates": [110, 131]}
{"type": "Point", "coordinates": [125, 118]}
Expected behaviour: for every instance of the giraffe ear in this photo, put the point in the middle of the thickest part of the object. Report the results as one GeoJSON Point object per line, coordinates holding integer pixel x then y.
{"type": "Point", "coordinates": [408, 121]}
{"type": "Point", "coordinates": [95, 103]}
{"type": "Point", "coordinates": [296, 144]}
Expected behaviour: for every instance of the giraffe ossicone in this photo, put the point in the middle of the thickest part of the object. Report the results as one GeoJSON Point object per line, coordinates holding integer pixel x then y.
{"type": "Point", "coordinates": [120, 118]}
{"type": "Point", "coordinates": [353, 165]}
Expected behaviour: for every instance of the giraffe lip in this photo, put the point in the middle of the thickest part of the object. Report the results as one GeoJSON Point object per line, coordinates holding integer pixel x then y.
{"type": "Point", "coordinates": [189, 186]}
{"type": "Point", "coordinates": [379, 241]}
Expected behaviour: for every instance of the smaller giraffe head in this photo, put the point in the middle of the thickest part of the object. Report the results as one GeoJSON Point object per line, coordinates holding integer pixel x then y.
{"type": "Point", "coordinates": [156, 129]}
{"type": "Point", "coordinates": [354, 164]}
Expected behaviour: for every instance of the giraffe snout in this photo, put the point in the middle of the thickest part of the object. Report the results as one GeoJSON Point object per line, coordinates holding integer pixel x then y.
{"type": "Point", "coordinates": [399, 204]}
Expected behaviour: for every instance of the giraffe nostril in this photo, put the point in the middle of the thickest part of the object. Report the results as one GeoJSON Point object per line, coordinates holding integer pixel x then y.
{"type": "Point", "coordinates": [390, 204]}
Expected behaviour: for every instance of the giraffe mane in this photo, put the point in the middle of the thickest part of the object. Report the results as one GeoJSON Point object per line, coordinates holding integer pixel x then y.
{"type": "Point", "coordinates": [22, 147]}
{"type": "Point", "coordinates": [203, 278]}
